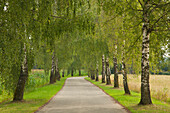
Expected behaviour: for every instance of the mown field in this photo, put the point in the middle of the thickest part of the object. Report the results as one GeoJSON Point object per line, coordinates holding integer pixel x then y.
{"type": "Point", "coordinates": [159, 84]}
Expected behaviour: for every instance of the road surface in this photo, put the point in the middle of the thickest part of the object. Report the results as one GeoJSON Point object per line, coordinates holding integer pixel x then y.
{"type": "Point", "coordinates": [80, 96]}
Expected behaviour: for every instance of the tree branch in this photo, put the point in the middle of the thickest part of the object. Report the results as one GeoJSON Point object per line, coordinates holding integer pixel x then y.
{"type": "Point", "coordinates": [59, 17]}
{"type": "Point", "coordinates": [158, 6]}
{"type": "Point", "coordinates": [160, 30]}
{"type": "Point", "coordinates": [131, 46]}
{"type": "Point", "coordinates": [157, 21]}
{"type": "Point", "coordinates": [140, 3]}
{"type": "Point", "coordinates": [132, 7]}
{"type": "Point", "coordinates": [110, 19]}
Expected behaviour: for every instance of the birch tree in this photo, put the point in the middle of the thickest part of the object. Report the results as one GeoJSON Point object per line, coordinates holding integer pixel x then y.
{"type": "Point", "coordinates": [37, 20]}
{"type": "Point", "coordinates": [108, 73]}
{"type": "Point", "coordinates": [153, 15]}
{"type": "Point", "coordinates": [124, 72]}
{"type": "Point", "coordinates": [103, 69]}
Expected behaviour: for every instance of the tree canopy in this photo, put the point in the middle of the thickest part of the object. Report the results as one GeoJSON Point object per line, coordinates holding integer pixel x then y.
{"type": "Point", "coordinates": [79, 32]}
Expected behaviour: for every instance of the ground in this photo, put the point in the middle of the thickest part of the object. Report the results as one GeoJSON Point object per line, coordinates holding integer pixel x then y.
{"type": "Point", "coordinates": [80, 96]}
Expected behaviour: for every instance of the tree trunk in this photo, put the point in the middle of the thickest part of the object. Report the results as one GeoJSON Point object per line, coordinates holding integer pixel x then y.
{"type": "Point", "coordinates": [92, 74]}
{"type": "Point", "coordinates": [131, 68]}
{"type": "Point", "coordinates": [19, 92]}
{"type": "Point", "coordinates": [97, 72]}
{"type": "Point", "coordinates": [88, 73]}
{"type": "Point", "coordinates": [145, 89]}
{"type": "Point", "coordinates": [63, 73]}
{"type": "Point", "coordinates": [103, 70]}
{"type": "Point", "coordinates": [125, 83]}
{"type": "Point", "coordinates": [57, 71]}
{"type": "Point", "coordinates": [52, 76]}
{"type": "Point", "coordinates": [46, 69]}
{"type": "Point", "coordinates": [116, 82]}
{"type": "Point", "coordinates": [108, 73]}
{"type": "Point", "coordinates": [72, 72]}
{"type": "Point", "coordinates": [124, 72]}
{"type": "Point", "coordinates": [58, 75]}
{"type": "Point", "coordinates": [79, 72]}
{"type": "Point", "coordinates": [68, 72]}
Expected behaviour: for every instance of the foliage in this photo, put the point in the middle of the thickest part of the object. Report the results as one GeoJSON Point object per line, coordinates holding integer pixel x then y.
{"type": "Point", "coordinates": [37, 23]}
{"type": "Point", "coordinates": [79, 32]}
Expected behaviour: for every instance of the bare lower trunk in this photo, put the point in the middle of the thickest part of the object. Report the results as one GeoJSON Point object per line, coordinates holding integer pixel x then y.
{"type": "Point", "coordinates": [63, 73]}
{"type": "Point", "coordinates": [57, 71]}
{"type": "Point", "coordinates": [72, 72]}
{"type": "Point", "coordinates": [19, 92]}
{"type": "Point", "coordinates": [88, 73]}
{"type": "Point", "coordinates": [125, 83]}
{"type": "Point", "coordinates": [68, 72]}
{"type": "Point", "coordinates": [58, 75]}
{"type": "Point", "coordinates": [92, 74]}
{"type": "Point", "coordinates": [97, 73]}
{"type": "Point", "coordinates": [116, 82]}
{"type": "Point", "coordinates": [131, 68]}
{"type": "Point", "coordinates": [124, 72]}
{"type": "Point", "coordinates": [79, 72]}
{"type": "Point", "coordinates": [103, 70]}
{"type": "Point", "coordinates": [145, 89]}
{"type": "Point", "coordinates": [108, 73]}
{"type": "Point", "coordinates": [52, 76]}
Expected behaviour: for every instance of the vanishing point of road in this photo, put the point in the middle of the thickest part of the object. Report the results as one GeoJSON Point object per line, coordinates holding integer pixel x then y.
{"type": "Point", "coordinates": [80, 96]}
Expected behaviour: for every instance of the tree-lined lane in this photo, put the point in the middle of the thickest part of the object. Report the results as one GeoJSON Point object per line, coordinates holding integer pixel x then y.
{"type": "Point", "coordinates": [80, 96]}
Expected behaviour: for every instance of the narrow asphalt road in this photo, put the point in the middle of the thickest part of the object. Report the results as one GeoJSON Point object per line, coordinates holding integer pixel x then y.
{"type": "Point", "coordinates": [80, 96]}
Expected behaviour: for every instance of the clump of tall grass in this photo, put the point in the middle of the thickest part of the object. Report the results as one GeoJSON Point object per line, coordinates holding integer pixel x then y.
{"type": "Point", "coordinates": [161, 95]}
{"type": "Point", "coordinates": [37, 79]}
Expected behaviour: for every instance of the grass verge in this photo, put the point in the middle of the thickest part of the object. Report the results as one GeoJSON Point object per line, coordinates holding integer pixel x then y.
{"type": "Point", "coordinates": [33, 100]}
{"type": "Point", "coordinates": [131, 101]}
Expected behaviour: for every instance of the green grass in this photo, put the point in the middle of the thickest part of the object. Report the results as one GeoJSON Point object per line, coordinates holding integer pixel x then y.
{"type": "Point", "coordinates": [36, 79]}
{"type": "Point", "coordinates": [36, 94]}
{"type": "Point", "coordinates": [33, 100]}
{"type": "Point", "coordinates": [131, 101]}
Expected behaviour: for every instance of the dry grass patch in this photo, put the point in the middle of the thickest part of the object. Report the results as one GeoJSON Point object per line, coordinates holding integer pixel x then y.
{"type": "Point", "coordinates": [151, 109]}
{"type": "Point", "coordinates": [159, 84]}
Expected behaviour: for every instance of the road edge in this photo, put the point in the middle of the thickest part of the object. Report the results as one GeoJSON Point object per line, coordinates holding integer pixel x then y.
{"type": "Point", "coordinates": [51, 98]}
{"type": "Point", "coordinates": [111, 97]}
